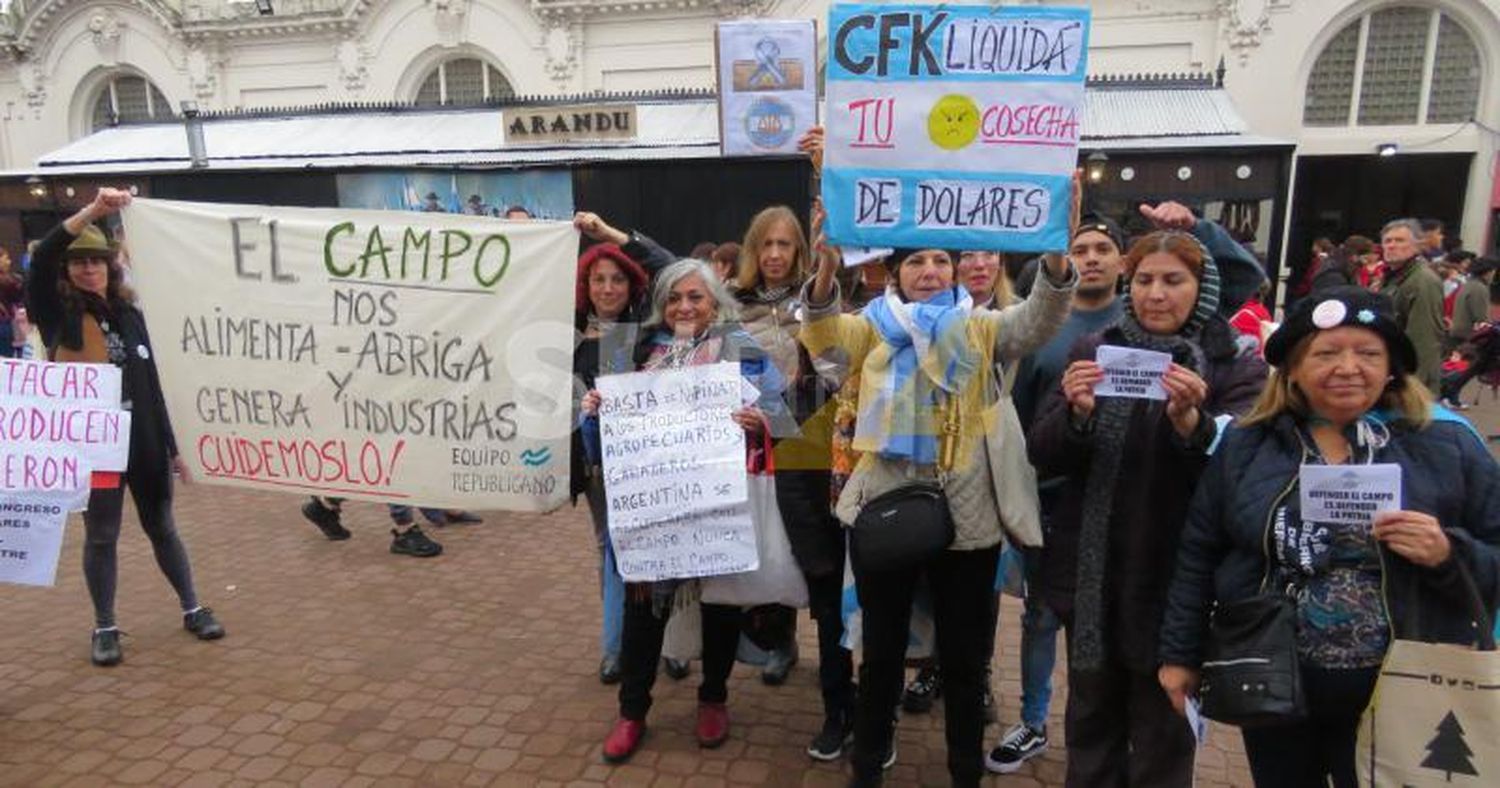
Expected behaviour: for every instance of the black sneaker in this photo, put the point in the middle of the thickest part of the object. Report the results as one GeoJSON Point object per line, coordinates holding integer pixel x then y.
{"type": "Point", "coordinates": [829, 744]}
{"type": "Point", "coordinates": [201, 622]}
{"type": "Point", "coordinates": [926, 687]}
{"type": "Point", "coordinates": [326, 519]}
{"type": "Point", "coordinates": [105, 649]}
{"type": "Point", "coordinates": [1019, 745]}
{"type": "Point", "coordinates": [414, 543]}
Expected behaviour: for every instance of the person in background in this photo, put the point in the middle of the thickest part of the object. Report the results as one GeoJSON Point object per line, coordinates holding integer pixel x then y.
{"type": "Point", "coordinates": [1342, 394]}
{"type": "Point", "coordinates": [1338, 269]}
{"type": "Point", "coordinates": [432, 204]}
{"type": "Point", "coordinates": [1253, 321]}
{"type": "Point", "coordinates": [1418, 296]}
{"type": "Point", "coordinates": [1369, 270]}
{"type": "Point", "coordinates": [1131, 465]}
{"type": "Point", "coordinates": [704, 250]}
{"type": "Point", "coordinates": [1471, 305]}
{"type": "Point", "coordinates": [10, 302]}
{"type": "Point", "coordinates": [518, 213]}
{"type": "Point", "coordinates": [1434, 244]}
{"type": "Point", "coordinates": [1321, 247]}
{"type": "Point", "coordinates": [725, 259]}
{"type": "Point", "coordinates": [77, 298]}
{"type": "Point", "coordinates": [407, 538]}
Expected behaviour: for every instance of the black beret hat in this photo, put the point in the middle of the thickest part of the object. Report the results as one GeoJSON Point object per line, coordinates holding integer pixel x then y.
{"type": "Point", "coordinates": [1342, 306]}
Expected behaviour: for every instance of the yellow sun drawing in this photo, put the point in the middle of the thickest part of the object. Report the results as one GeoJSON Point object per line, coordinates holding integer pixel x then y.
{"type": "Point", "coordinates": [953, 122]}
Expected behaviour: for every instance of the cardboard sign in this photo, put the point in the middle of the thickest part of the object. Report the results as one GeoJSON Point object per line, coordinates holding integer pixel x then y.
{"type": "Point", "coordinates": [1132, 372]}
{"type": "Point", "coordinates": [954, 127]}
{"type": "Point", "coordinates": [674, 473]}
{"type": "Point", "coordinates": [1349, 493]}
{"type": "Point", "coordinates": [387, 356]}
{"type": "Point", "coordinates": [768, 92]}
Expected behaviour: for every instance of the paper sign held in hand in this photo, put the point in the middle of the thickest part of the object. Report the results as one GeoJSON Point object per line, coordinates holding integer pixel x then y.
{"type": "Point", "coordinates": [1349, 493]}
{"type": "Point", "coordinates": [1131, 372]}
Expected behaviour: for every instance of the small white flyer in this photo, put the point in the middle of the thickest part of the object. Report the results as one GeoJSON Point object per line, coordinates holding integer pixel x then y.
{"type": "Point", "coordinates": [1131, 372]}
{"type": "Point", "coordinates": [1349, 493]}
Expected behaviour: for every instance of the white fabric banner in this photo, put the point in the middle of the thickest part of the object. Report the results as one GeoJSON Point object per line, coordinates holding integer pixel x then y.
{"type": "Point", "coordinates": [768, 85]}
{"type": "Point", "coordinates": [674, 473]}
{"type": "Point", "coordinates": [419, 358]}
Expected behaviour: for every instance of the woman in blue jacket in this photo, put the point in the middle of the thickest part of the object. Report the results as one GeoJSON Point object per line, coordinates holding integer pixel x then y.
{"type": "Point", "coordinates": [1342, 393]}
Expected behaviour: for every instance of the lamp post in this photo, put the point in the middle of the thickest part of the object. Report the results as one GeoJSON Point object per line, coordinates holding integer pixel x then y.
{"type": "Point", "coordinates": [1095, 166]}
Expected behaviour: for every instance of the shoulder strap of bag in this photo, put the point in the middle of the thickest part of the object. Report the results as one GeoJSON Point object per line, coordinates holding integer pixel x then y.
{"type": "Point", "coordinates": [1483, 618]}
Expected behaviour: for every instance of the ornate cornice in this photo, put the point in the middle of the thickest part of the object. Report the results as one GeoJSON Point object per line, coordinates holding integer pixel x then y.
{"type": "Point", "coordinates": [40, 19]}
{"type": "Point", "coordinates": [293, 17]}
{"type": "Point", "coordinates": [582, 9]}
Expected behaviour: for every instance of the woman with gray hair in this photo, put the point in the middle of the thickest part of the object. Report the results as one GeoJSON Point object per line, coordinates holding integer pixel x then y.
{"type": "Point", "coordinates": [694, 320]}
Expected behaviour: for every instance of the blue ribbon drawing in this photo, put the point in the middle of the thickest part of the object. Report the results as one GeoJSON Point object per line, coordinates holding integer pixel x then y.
{"type": "Point", "coordinates": [766, 54]}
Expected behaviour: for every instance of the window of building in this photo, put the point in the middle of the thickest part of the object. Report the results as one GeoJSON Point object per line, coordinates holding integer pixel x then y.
{"type": "Point", "coordinates": [1402, 65]}
{"type": "Point", "coordinates": [463, 81]}
{"type": "Point", "coordinates": [126, 98]}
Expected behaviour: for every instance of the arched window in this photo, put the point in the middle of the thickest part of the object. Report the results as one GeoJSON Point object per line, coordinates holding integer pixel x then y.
{"type": "Point", "coordinates": [466, 80]}
{"type": "Point", "coordinates": [1402, 65]}
{"type": "Point", "coordinates": [126, 97]}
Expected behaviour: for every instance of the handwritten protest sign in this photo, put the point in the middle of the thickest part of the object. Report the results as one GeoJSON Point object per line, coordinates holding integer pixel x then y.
{"type": "Point", "coordinates": [953, 126]}
{"type": "Point", "coordinates": [375, 355]}
{"type": "Point", "coordinates": [45, 406]}
{"type": "Point", "coordinates": [1348, 493]}
{"type": "Point", "coordinates": [768, 84]}
{"type": "Point", "coordinates": [1131, 372]}
{"type": "Point", "coordinates": [674, 473]}
{"type": "Point", "coordinates": [31, 533]}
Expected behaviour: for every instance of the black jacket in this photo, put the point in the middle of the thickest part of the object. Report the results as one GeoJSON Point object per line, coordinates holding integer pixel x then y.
{"type": "Point", "coordinates": [1446, 472]}
{"type": "Point", "coordinates": [1158, 471]}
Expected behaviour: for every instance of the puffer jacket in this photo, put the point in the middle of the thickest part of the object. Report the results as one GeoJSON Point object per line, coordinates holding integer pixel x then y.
{"type": "Point", "coordinates": [1446, 472]}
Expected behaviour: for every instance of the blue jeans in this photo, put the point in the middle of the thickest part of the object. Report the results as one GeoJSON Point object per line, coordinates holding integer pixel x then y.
{"type": "Point", "coordinates": [1039, 626]}
{"type": "Point", "coordinates": [401, 514]}
{"type": "Point", "coordinates": [611, 584]}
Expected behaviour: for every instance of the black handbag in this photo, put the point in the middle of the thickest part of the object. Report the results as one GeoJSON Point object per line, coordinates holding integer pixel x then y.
{"type": "Point", "coordinates": [900, 528]}
{"type": "Point", "coordinates": [1250, 674]}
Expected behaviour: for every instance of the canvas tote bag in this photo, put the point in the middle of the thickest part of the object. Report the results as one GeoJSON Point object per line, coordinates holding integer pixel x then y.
{"type": "Point", "coordinates": [1434, 719]}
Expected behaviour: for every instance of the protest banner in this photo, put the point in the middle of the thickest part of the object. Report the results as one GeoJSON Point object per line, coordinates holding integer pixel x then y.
{"type": "Point", "coordinates": [674, 473]}
{"type": "Point", "coordinates": [46, 406]}
{"type": "Point", "coordinates": [768, 91]}
{"type": "Point", "coordinates": [399, 357]}
{"type": "Point", "coordinates": [954, 127]}
{"type": "Point", "coordinates": [31, 533]}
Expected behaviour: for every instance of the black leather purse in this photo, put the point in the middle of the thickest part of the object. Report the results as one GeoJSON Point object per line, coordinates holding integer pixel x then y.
{"type": "Point", "coordinates": [1250, 674]}
{"type": "Point", "coordinates": [900, 528]}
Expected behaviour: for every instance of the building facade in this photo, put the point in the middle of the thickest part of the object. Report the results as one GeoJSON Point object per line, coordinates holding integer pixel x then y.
{"type": "Point", "coordinates": [1341, 80]}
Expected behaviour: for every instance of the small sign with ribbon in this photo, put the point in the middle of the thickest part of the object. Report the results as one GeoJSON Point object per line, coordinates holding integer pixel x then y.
{"type": "Point", "coordinates": [767, 90]}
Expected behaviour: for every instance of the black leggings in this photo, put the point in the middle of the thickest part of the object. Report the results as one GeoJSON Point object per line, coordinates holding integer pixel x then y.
{"type": "Point", "coordinates": [1318, 751]}
{"type": "Point", "coordinates": [102, 528]}
{"type": "Point", "coordinates": [640, 649]}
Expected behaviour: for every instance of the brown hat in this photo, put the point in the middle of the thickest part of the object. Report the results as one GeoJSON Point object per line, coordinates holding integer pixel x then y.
{"type": "Point", "coordinates": [90, 243]}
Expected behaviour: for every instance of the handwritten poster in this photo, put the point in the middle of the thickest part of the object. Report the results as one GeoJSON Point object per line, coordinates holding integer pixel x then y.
{"type": "Point", "coordinates": [1131, 372]}
{"type": "Point", "coordinates": [58, 421]}
{"type": "Point", "coordinates": [674, 473]}
{"type": "Point", "coordinates": [953, 126]}
{"type": "Point", "coordinates": [402, 357]}
{"type": "Point", "coordinates": [768, 91]}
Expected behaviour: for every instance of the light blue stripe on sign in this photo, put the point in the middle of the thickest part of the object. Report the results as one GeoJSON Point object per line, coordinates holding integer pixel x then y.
{"type": "Point", "coordinates": [975, 215]}
{"type": "Point", "coordinates": [957, 43]}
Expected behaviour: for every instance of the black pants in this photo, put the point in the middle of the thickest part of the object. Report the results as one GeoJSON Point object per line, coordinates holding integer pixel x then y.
{"type": "Point", "coordinates": [1453, 384]}
{"type": "Point", "coordinates": [963, 583]}
{"type": "Point", "coordinates": [101, 524]}
{"type": "Point", "coordinates": [640, 650]}
{"type": "Point", "coordinates": [1123, 731]}
{"type": "Point", "coordinates": [1319, 750]}
{"type": "Point", "coordinates": [818, 540]}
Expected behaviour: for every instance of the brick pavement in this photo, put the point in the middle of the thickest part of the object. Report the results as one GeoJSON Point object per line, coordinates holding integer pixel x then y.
{"type": "Point", "coordinates": [347, 666]}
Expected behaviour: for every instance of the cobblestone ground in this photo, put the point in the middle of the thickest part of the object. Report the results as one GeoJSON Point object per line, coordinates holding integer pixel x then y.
{"type": "Point", "coordinates": [348, 666]}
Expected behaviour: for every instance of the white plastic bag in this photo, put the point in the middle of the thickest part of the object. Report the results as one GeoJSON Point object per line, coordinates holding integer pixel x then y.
{"type": "Point", "coordinates": [778, 580]}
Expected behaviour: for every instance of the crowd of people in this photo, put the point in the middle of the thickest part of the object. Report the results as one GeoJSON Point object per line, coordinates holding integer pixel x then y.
{"type": "Point", "coordinates": [929, 402]}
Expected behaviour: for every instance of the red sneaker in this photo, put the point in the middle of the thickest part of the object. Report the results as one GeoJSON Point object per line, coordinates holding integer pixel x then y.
{"type": "Point", "coordinates": [624, 739]}
{"type": "Point", "coordinates": [713, 724]}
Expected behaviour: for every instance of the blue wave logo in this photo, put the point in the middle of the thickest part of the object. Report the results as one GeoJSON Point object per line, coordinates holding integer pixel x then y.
{"type": "Point", "coordinates": [534, 457]}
